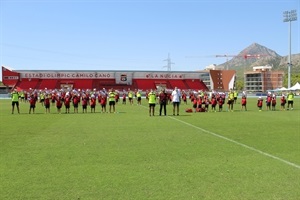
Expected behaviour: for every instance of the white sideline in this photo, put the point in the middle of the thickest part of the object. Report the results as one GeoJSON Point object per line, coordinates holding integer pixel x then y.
{"type": "Point", "coordinates": [240, 144]}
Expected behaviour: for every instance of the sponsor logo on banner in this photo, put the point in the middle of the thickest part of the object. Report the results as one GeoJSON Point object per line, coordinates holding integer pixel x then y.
{"type": "Point", "coordinates": [68, 75]}
{"type": "Point", "coordinates": [10, 77]}
{"type": "Point", "coordinates": [123, 77]}
{"type": "Point", "coordinates": [164, 76]}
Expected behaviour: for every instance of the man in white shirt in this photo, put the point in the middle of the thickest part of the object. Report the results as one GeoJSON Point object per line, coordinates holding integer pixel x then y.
{"type": "Point", "coordinates": [176, 97]}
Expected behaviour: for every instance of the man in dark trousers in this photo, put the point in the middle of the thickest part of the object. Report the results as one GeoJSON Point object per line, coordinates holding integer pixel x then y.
{"type": "Point", "coordinates": [163, 98]}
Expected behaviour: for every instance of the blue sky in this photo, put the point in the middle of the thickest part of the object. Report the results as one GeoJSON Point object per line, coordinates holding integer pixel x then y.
{"type": "Point", "coordinates": [139, 34]}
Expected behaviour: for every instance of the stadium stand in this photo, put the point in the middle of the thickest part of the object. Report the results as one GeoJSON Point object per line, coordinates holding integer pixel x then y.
{"type": "Point", "coordinates": [28, 84]}
{"type": "Point", "coordinates": [47, 83]}
{"type": "Point", "coordinates": [178, 83]}
{"type": "Point", "coordinates": [145, 84]}
{"type": "Point", "coordinates": [195, 84]}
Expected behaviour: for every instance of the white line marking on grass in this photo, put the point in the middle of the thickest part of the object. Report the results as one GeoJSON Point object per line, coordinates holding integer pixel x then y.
{"type": "Point", "coordinates": [240, 144]}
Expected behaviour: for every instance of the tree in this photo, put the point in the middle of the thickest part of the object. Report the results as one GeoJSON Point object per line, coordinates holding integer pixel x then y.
{"type": "Point", "coordinates": [239, 85]}
{"type": "Point", "coordinates": [295, 77]}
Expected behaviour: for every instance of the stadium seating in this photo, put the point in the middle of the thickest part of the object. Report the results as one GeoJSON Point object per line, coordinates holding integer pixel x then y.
{"type": "Point", "coordinates": [83, 84]}
{"type": "Point", "coordinates": [47, 83]}
{"type": "Point", "coordinates": [26, 84]}
{"type": "Point", "coordinates": [195, 84]}
{"type": "Point", "coordinates": [145, 84]}
{"type": "Point", "coordinates": [179, 84]}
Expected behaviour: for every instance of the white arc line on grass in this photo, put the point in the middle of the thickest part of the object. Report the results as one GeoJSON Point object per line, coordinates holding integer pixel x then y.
{"type": "Point", "coordinates": [240, 144]}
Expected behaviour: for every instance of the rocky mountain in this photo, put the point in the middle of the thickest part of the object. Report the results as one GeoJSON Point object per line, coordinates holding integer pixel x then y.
{"type": "Point", "coordinates": [258, 55]}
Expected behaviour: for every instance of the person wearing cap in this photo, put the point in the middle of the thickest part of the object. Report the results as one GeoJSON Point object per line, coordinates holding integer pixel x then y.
{"type": "Point", "coordinates": [282, 102]}
{"type": "Point", "coordinates": [47, 103]}
{"type": "Point", "coordinates": [93, 103]}
{"type": "Point", "coordinates": [220, 100]}
{"type": "Point", "coordinates": [176, 97]}
{"type": "Point", "coordinates": [67, 100]}
{"type": "Point", "coordinates": [213, 101]}
{"type": "Point", "coordinates": [268, 101]}
{"type": "Point", "coordinates": [102, 99]}
{"type": "Point", "coordinates": [244, 103]}
{"type": "Point", "coordinates": [32, 102]}
{"type": "Point", "coordinates": [290, 100]}
{"type": "Point", "coordinates": [84, 102]}
{"type": "Point", "coordinates": [273, 102]}
{"type": "Point", "coordinates": [163, 98]}
{"type": "Point", "coordinates": [124, 98]}
{"type": "Point", "coordinates": [184, 98]}
{"type": "Point", "coordinates": [15, 101]}
{"type": "Point", "coordinates": [75, 100]}
{"type": "Point", "coordinates": [59, 101]}
{"type": "Point", "coordinates": [260, 103]}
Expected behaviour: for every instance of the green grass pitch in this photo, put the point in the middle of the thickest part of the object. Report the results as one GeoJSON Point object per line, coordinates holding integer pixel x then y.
{"type": "Point", "coordinates": [129, 155]}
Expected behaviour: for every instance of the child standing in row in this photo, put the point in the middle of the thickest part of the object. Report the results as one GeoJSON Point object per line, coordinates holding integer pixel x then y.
{"type": "Point", "coordinates": [260, 103]}
{"type": "Point", "coordinates": [244, 103]}
{"type": "Point", "coordinates": [282, 102]}
{"type": "Point", "coordinates": [32, 102]}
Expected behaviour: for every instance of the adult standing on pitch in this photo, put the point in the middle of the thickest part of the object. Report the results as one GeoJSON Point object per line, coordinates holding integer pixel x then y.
{"type": "Point", "coordinates": [152, 102]}
{"type": "Point", "coordinates": [176, 100]}
{"type": "Point", "coordinates": [112, 100]}
{"type": "Point", "coordinates": [235, 95]}
{"type": "Point", "coordinates": [230, 100]}
{"type": "Point", "coordinates": [290, 100]}
{"type": "Point", "coordinates": [15, 101]}
{"type": "Point", "coordinates": [163, 98]}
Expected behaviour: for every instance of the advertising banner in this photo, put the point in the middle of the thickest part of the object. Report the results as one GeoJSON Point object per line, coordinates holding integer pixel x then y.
{"type": "Point", "coordinates": [68, 75]}
{"type": "Point", "coordinates": [123, 78]}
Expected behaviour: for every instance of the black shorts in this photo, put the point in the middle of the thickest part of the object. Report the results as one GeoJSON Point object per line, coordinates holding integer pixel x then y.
{"type": "Point", "coordinates": [32, 106]}
{"type": "Point", "coordinates": [175, 104]}
{"type": "Point", "coordinates": [93, 106]}
{"type": "Point", "coordinates": [139, 98]}
{"type": "Point", "coordinates": [83, 106]}
{"type": "Point", "coordinates": [75, 105]}
{"type": "Point", "coordinates": [151, 104]}
{"type": "Point", "coordinates": [111, 103]}
{"type": "Point", "coordinates": [13, 103]}
{"type": "Point", "coordinates": [58, 107]}
{"type": "Point", "coordinates": [230, 101]}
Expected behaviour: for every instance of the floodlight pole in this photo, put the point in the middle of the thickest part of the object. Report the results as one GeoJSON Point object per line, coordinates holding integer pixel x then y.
{"type": "Point", "coordinates": [290, 16]}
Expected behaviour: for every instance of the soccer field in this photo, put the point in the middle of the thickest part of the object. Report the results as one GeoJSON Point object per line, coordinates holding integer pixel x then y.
{"type": "Point", "coordinates": [129, 155]}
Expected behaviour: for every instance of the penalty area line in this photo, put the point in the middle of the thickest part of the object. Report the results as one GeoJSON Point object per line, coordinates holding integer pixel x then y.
{"type": "Point", "coordinates": [238, 143]}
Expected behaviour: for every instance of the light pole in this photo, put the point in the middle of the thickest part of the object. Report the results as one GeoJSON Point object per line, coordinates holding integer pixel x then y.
{"type": "Point", "coordinates": [289, 16]}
